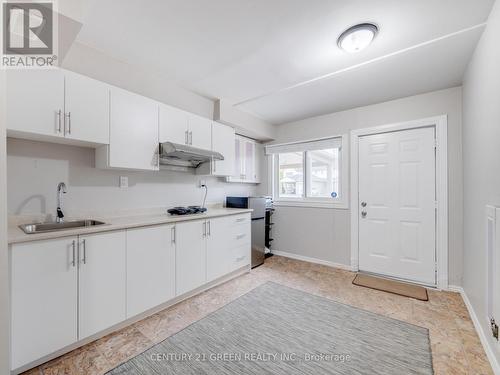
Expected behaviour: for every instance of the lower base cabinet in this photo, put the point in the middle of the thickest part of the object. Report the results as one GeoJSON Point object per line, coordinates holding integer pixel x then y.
{"type": "Point", "coordinates": [44, 304]}
{"type": "Point", "coordinates": [150, 267]}
{"type": "Point", "coordinates": [68, 289]}
{"type": "Point", "coordinates": [102, 282]}
{"type": "Point", "coordinates": [190, 256]}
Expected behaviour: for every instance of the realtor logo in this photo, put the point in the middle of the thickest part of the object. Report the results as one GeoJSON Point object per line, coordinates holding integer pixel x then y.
{"type": "Point", "coordinates": [28, 34]}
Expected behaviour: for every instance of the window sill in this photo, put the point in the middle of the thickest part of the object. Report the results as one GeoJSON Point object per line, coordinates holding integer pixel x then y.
{"type": "Point", "coordinates": [339, 205]}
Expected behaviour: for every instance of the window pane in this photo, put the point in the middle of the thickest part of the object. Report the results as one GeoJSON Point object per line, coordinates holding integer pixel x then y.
{"type": "Point", "coordinates": [323, 173]}
{"type": "Point", "coordinates": [291, 175]}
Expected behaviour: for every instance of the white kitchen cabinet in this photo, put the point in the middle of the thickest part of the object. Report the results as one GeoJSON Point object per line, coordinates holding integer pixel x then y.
{"type": "Point", "coordinates": [178, 126]}
{"type": "Point", "coordinates": [174, 125]}
{"type": "Point", "coordinates": [35, 103]}
{"type": "Point", "coordinates": [247, 161]}
{"type": "Point", "coordinates": [200, 132]}
{"type": "Point", "coordinates": [44, 304]}
{"type": "Point", "coordinates": [228, 245]}
{"type": "Point", "coordinates": [102, 282]}
{"type": "Point", "coordinates": [65, 290]}
{"type": "Point", "coordinates": [57, 105]}
{"type": "Point", "coordinates": [190, 255]}
{"type": "Point", "coordinates": [223, 137]}
{"type": "Point", "coordinates": [150, 267]}
{"type": "Point", "coordinates": [86, 114]}
{"type": "Point", "coordinates": [133, 133]}
{"type": "Point", "coordinates": [218, 247]}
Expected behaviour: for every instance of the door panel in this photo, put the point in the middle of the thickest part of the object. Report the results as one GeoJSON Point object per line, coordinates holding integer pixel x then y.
{"type": "Point", "coordinates": [44, 299]}
{"type": "Point", "coordinates": [102, 282]}
{"type": "Point", "coordinates": [223, 142]}
{"type": "Point", "coordinates": [173, 125]}
{"type": "Point", "coordinates": [218, 247]}
{"type": "Point", "coordinates": [133, 131]}
{"type": "Point", "coordinates": [150, 268]}
{"type": "Point", "coordinates": [200, 130]}
{"type": "Point", "coordinates": [86, 109]}
{"type": "Point", "coordinates": [397, 184]}
{"type": "Point", "coordinates": [190, 255]}
{"type": "Point", "coordinates": [35, 101]}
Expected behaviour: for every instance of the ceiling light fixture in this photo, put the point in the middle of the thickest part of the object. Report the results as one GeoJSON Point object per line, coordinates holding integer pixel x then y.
{"type": "Point", "coordinates": [358, 37]}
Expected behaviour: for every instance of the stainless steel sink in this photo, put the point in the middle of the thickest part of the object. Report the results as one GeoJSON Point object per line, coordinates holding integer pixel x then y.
{"type": "Point", "coordinates": [51, 227]}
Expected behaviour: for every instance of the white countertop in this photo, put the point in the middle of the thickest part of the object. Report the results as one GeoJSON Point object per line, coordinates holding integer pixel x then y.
{"type": "Point", "coordinates": [16, 235]}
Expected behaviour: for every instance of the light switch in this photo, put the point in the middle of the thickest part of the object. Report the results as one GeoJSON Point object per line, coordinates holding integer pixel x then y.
{"type": "Point", "coordinates": [123, 182]}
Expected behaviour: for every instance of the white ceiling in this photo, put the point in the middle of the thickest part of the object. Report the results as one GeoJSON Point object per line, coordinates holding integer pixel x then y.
{"type": "Point", "coordinates": [278, 59]}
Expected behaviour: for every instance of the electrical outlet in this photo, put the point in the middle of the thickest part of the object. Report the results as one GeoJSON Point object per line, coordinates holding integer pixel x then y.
{"type": "Point", "coordinates": [202, 182]}
{"type": "Point", "coordinates": [123, 182]}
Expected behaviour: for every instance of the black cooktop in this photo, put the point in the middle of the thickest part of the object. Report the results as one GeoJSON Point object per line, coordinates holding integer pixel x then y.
{"type": "Point", "coordinates": [186, 210]}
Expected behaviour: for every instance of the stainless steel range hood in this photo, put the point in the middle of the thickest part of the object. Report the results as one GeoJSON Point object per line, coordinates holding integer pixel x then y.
{"type": "Point", "coordinates": [177, 155]}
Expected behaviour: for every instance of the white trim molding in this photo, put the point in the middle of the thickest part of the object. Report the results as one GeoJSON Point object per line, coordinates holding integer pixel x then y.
{"type": "Point", "coordinates": [440, 123]}
{"type": "Point", "coordinates": [303, 258]}
{"type": "Point", "coordinates": [490, 351]}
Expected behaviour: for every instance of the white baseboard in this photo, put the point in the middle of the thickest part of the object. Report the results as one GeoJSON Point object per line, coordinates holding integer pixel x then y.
{"type": "Point", "coordinates": [312, 260]}
{"type": "Point", "coordinates": [479, 329]}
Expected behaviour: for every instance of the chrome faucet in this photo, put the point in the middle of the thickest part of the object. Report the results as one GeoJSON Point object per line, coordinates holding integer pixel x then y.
{"type": "Point", "coordinates": [61, 189]}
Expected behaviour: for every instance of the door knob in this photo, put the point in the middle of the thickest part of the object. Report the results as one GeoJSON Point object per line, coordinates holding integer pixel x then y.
{"type": "Point", "coordinates": [363, 213]}
{"type": "Point", "coordinates": [363, 204]}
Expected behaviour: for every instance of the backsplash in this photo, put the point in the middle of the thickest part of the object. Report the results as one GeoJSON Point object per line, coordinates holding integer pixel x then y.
{"type": "Point", "coordinates": [34, 169]}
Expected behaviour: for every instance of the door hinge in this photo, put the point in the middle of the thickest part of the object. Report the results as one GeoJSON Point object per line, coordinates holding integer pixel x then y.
{"type": "Point", "coordinates": [494, 328]}
{"type": "Point", "coordinates": [435, 144]}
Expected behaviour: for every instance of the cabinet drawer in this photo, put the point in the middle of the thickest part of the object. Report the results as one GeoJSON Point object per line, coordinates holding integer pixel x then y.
{"type": "Point", "coordinates": [240, 256]}
{"type": "Point", "coordinates": [240, 219]}
{"type": "Point", "coordinates": [240, 235]}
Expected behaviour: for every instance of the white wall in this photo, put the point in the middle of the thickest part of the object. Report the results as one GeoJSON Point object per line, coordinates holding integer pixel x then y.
{"type": "Point", "coordinates": [35, 169]}
{"type": "Point", "coordinates": [90, 62]}
{"type": "Point", "coordinates": [4, 279]}
{"type": "Point", "coordinates": [325, 233]}
{"type": "Point", "coordinates": [481, 133]}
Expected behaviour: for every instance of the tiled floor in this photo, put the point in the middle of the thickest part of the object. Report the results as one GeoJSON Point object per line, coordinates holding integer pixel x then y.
{"type": "Point", "coordinates": [456, 348]}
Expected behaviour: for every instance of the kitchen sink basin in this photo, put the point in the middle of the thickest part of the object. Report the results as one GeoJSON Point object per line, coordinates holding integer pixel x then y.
{"type": "Point", "coordinates": [51, 227]}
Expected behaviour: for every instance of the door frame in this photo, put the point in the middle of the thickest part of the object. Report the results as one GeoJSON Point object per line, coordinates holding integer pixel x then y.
{"type": "Point", "coordinates": [440, 124]}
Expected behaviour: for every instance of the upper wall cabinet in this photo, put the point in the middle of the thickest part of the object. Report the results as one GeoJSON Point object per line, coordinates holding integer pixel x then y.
{"type": "Point", "coordinates": [181, 127]}
{"type": "Point", "coordinates": [174, 124]}
{"type": "Point", "coordinates": [86, 109]}
{"type": "Point", "coordinates": [200, 132]}
{"type": "Point", "coordinates": [57, 105]}
{"type": "Point", "coordinates": [246, 161]}
{"type": "Point", "coordinates": [133, 133]}
{"type": "Point", "coordinates": [223, 137]}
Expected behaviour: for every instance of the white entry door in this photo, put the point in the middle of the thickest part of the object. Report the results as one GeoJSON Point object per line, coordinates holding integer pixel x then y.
{"type": "Point", "coordinates": [397, 214]}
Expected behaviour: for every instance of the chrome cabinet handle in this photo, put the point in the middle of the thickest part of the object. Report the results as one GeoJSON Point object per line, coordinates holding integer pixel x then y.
{"type": "Point", "coordinates": [363, 213]}
{"type": "Point", "coordinates": [186, 137]}
{"type": "Point", "coordinates": [239, 237]}
{"type": "Point", "coordinates": [84, 245]}
{"type": "Point", "coordinates": [59, 114]}
{"type": "Point", "coordinates": [240, 258]}
{"type": "Point", "coordinates": [240, 220]}
{"type": "Point", "coordinates": [204, 229]}
{"type": "Point", "coordinates": [73, 262]}
{"type": "Point", "coordinates": [209, 228]}
{"type": "Point", "coordinates": [173, 235]}
{"type": "Point", "coordinates": [191, 138]}
{"type": "Point", "coordinates": [363, 204]}
{"type": "Point", "coordinates": [69, 122]}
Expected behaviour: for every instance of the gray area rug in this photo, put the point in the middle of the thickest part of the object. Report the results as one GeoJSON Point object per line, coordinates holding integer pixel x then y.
{"type": "Point", "coordinates": [278, 330]}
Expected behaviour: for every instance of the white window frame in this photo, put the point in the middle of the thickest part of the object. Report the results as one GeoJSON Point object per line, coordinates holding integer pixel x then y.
{"type": "Point", "coordinates": [342, 202]}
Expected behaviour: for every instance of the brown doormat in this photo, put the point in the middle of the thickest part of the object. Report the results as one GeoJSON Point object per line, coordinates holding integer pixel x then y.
{"type": "Point", "coordinates": [391, 286]}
